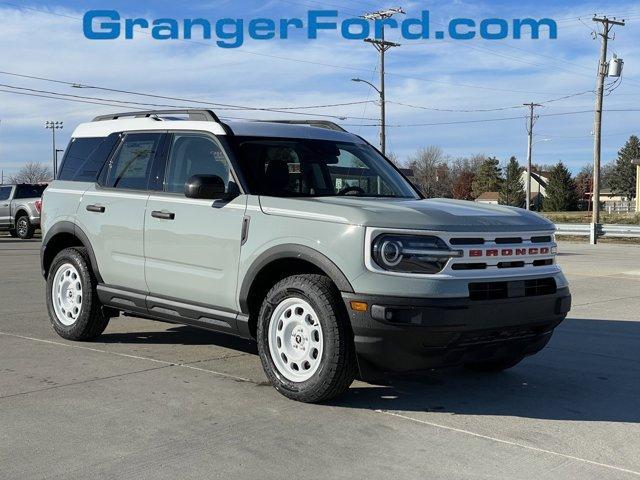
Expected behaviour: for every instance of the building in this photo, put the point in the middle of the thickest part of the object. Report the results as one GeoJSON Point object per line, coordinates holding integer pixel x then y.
{"type": "Point", "coordinates": [489, 197]}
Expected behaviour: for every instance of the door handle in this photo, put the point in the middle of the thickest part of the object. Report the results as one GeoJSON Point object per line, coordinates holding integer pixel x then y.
{"type": "Point", "coordinates": [95, 208]}
{"type": "Point", "coordinates": [163, 215]}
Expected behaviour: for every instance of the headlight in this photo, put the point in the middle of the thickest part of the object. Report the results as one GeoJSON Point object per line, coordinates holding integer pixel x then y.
{"type": "Point", "coordinates": [411, 253]}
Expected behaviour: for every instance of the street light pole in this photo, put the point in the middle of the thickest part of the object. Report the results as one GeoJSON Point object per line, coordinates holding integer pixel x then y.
{"type": "Point", "coordinates": [53, 126]}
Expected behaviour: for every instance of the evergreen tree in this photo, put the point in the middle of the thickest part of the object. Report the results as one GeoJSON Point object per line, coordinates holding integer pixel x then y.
{"type": "Point", "coordinates": [623, 176]}
{"type": "Point", "coordinates": [561, 194]}
{"type": "Point", "coordinates": [512, 192]}
{"type": "Point", "coordinates": [488, 178]}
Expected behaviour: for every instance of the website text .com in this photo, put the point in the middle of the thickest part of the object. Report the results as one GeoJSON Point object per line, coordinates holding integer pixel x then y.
{"type": "Point", "coordinates": [232, 32]}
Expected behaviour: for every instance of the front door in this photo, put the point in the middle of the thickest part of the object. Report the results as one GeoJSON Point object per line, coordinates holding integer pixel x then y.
{"type": "Point", "coordinates": [192, 247]}
{"type": "Point", "coordinates": [112, 213]}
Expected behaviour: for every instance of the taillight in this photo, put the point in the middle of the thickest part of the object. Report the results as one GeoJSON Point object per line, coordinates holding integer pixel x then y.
{"type": "Point", "coordinates": [38, 204]}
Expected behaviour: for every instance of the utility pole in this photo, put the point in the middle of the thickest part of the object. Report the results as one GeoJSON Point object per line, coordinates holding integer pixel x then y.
{"type": "Point", "coordinates": [532, 119]}
{"type": "Point", "coordinates": [607, 25]}
{"type": "Point", "coordinates": [382, 46]}
{"type": "Point", "coordinates": [53, 126]}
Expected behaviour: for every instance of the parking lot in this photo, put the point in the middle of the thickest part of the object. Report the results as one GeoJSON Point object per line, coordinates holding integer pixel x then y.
{"type": "Point", "coordinates": [154, 400]}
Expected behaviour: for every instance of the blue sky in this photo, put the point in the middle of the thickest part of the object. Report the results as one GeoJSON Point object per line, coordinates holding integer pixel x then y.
{"type": "Point", "coordinates": [45, 39]}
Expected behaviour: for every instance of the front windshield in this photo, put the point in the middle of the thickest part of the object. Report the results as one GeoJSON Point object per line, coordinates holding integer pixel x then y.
{"type": "Point", "coordinates": [318, 168]}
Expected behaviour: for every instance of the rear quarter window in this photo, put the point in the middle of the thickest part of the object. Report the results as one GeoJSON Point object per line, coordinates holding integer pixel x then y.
{"type": "Point", "coordinates": [85, 158]}
{"type": "Point", "coordinates": [29, 191]}
{"type": "Point", "coordinates": [5, 192]}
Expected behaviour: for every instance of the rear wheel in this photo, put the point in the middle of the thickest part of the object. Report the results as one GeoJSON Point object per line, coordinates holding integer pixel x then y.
{"type": "Point", "coordinates": [72, 301]}
{"type": "Point", "coordinates": [496, 365]}
{"type": "Point", "coordinates": [304, 339]}
{"type": "Point", "coordinates": [13, 233]}
{"type": "Point", "coordinates": [24, 229]}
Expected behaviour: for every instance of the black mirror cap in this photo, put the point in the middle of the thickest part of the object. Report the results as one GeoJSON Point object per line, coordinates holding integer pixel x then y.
{"type": "Point", "coordinates": [206, 187]}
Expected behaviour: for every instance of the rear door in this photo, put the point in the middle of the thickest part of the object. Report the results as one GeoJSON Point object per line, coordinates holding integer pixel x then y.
{"type": "Point", "coordinates": [112, 212]}
{"type": "Point", "coordinates": [5, 206]}
{"type": "Point", "coordinates": [192, 247]}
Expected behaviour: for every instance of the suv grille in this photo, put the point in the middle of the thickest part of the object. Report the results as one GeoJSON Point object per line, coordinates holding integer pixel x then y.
{"type": "Point", "coordinates": [493, 251]}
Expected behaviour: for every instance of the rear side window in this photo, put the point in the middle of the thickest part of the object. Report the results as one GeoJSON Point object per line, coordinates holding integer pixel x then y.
{"type": "Point", "coordinates": [132, 165]}
{"type": "Point", "coordinates": [81, 162]}
{"type": "Point", "coordinates": [29, 191]}
{"type": "Point", "coordinates": [4, 193]}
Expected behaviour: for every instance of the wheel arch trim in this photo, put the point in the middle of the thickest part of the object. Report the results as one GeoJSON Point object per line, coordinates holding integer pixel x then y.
{"type": "Point", "coordinates": [295, 252]}
{"type": "Point", "coordinates": [74, 230]}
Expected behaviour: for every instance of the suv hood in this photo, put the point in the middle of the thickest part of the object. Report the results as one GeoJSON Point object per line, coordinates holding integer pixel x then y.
{"type": "Point", "coordinates": [432, 214]}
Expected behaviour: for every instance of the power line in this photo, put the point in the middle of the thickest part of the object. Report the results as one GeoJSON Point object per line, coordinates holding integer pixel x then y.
{"type": "Point", "coordinates": [67, 99]}
{"type": "Point", "coordinates": [119, 103]}
{"type": "Point", "coordinates": [223, 106]}
{"type": "Point", "coordinates": [495, 109]}
{"type": "Point", "coordinates": [188, 100]}
{"type": "Point", "coordinates": [499, 119]}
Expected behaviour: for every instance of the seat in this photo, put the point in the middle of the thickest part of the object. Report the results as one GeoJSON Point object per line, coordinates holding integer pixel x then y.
{"type": "Point", "coordinates": [276, 178]}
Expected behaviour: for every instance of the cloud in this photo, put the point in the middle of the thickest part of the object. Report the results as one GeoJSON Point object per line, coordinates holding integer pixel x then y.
{"type": "Point", "coordinates": [430, 74]}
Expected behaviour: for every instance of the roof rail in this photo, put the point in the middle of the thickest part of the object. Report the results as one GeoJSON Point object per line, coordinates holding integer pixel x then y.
{"type": "Point", "coordinates": [194, 114]}
{"type": "Point", "coordinates": [313, 123]}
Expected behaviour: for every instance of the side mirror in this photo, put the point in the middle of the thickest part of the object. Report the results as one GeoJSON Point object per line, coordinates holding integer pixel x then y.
{"type": "Point", "coordinates": [205, 187]}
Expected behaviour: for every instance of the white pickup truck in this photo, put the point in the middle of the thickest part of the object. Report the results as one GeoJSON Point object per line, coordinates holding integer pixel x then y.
{"type": "Point", "coordinates": [20, 207]}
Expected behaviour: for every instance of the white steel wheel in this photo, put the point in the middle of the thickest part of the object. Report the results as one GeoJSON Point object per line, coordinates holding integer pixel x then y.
{"type": "Point", "coordinates": [66, 294]}
{"type": "Point", "coordinates": [295, 339]}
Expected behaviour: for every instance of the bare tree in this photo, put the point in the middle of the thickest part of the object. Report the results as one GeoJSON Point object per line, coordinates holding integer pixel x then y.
{"type": "Point", "coordinates": [431, 172]}
{"type": "Point", "coordinates": [393, 158]}
{"type": "Point", "coordinates": [32, 172]}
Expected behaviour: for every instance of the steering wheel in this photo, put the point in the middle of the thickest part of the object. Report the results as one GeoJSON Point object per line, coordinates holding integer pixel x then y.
{"type": "Point", "coordinates": [351, 188]}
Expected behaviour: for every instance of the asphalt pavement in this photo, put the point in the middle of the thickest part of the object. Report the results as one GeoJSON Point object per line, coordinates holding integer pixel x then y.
{"type": "Point", "coordinates": [151, 400]}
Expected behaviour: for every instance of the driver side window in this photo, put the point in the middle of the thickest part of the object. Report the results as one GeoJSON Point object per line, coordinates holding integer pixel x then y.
{"type": "Point", "coordinates": [194, 154]}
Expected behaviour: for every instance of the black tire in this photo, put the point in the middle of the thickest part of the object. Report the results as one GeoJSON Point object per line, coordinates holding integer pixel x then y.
{"type": "Point", "coordinates": [24, 229]}
{"type": "Point", "coordinates": [337, 367]}
{"type": "Point", "coordinates": [496, 365]}
{"type": "Point", "coordinates": [92, 318]}
{"type": "Point", "coordinates": [13, 233]}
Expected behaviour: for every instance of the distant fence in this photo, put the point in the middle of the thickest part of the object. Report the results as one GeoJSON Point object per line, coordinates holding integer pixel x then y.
{"type": "Point", "coordinates": [583, 230]}
{"type": "Point", "coordinates": [620, 207]}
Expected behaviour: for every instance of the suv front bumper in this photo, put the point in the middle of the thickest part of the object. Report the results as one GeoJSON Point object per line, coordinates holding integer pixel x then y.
{"type": "Point", "coordinates": [404, 334]}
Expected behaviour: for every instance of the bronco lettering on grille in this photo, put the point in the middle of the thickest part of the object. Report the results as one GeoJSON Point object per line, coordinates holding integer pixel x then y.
{"type": "Point", "coordinates": [508, 252]}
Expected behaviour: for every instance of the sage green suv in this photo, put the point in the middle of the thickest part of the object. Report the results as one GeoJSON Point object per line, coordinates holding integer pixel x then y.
{"type": "Point", "coordinates": [299, 235]}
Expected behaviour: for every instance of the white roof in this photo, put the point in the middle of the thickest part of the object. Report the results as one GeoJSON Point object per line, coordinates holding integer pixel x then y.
{"type": "Point", "coordinates": [104, 128]}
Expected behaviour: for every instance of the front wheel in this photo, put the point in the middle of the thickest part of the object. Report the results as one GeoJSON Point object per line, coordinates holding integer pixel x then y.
{"type": "Point", "coordinates": [305, 343]}
{"type": "Point", "coordinates": [24, 229]}
{"type": "Point", "coordinates": [72, 301]}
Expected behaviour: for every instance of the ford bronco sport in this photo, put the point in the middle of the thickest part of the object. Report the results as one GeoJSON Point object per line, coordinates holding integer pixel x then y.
{"type": "Point", "coordinates": [299, 235]}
